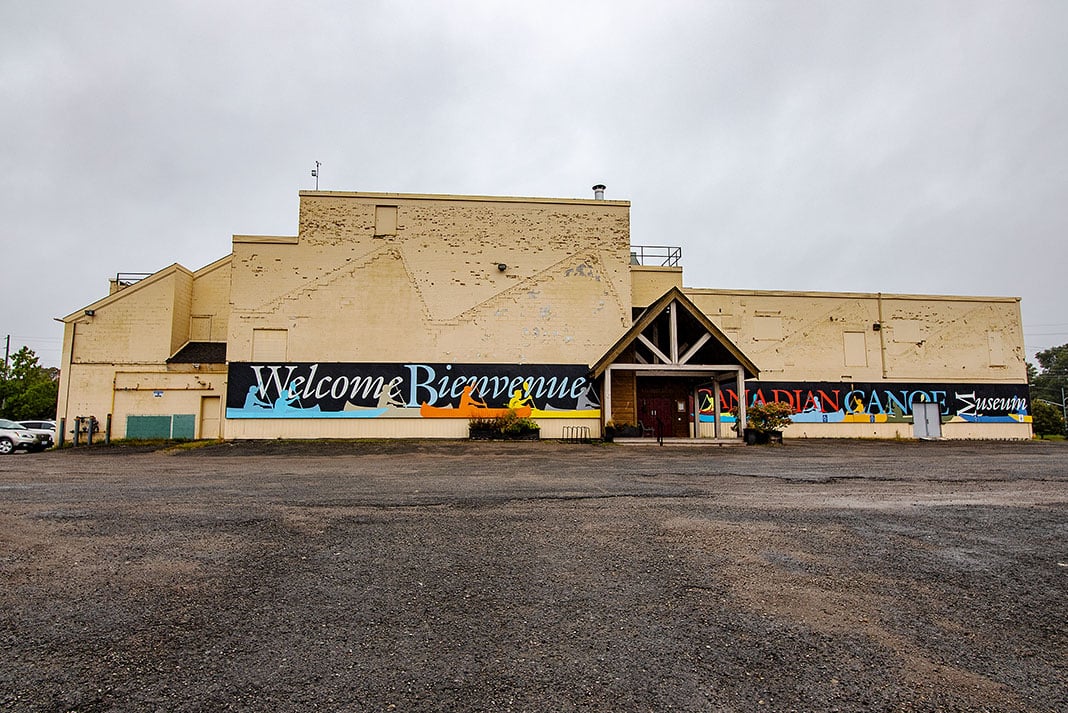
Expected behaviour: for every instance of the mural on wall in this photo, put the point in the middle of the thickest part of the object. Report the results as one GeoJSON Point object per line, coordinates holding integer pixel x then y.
{"type": "Point", "coordinates": [417, 390]}
{"type": "Point", "coordinates": [829, 402]}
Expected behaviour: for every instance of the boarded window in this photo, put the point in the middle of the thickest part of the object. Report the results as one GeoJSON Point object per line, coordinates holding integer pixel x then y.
{"type": "Point", "coordinates": [385, 220]}
{"type": "Point", "coordinates": [906, 330]}
{"type": "Point", "coordinates": [770, 360]}
{"type": "Point", "coordinates": [269, 344]}
{"type": "Point", "coordinates": [856, 354]}
{"type": "Point", "coordinates": [183, 425]}
{"type": "Point", "coordinates": [179, 425]}
{"type": "Point", "coordinates": [200, 328]}
{"type": "Point", "coordinates": [767, 328]}
{"type": "Point", "coordinates": [148, 427]}
{"type": "Point", "coordinates": [995, 348]}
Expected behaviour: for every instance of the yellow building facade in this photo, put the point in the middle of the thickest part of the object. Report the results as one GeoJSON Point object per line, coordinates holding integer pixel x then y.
{"type": "Point", "coordinates": [397, 315]}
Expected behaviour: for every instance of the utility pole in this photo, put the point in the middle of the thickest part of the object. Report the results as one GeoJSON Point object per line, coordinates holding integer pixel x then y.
{"type": "Point", "coordinates": [7, 353]}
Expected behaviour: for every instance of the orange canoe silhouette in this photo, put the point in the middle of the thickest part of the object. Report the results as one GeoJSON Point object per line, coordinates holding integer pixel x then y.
{"type": "Point", "coordinates": [428, 411]}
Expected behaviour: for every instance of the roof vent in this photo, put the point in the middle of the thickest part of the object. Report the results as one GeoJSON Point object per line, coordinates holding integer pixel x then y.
{"type": "Point", "coordinates": [598, 192]}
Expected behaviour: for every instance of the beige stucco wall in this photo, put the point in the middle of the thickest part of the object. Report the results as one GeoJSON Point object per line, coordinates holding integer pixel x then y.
{"type": "Point", "coordinates": [356, 285]}
{"type": "Point", "coordinates": [138, 323]}
{"type": "Point", "coordinates": [211, 298]}
{"type": "Point", "coordinates": [801, 336]}
{"type": "Point", "coordinates": [648, 284]}
{"type": "Point", "coordinates": [952, 430]}
{"type": "Point", "coordinates": [129, 335]}
{"type": "Point", "coordinates": [432, 289]}
{"type": "Point", "coordinates": [382, 428]}
{"type": "Point", "coordinates": [99, 389]}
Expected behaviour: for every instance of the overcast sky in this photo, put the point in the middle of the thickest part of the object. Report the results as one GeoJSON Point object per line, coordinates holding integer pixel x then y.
{"type": "Point", "coordinates": [842, 146]}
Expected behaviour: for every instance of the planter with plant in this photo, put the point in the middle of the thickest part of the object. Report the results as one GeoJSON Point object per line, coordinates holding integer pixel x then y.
{"type": "Point", "coordinates": [510, 427]}
{"type": "Point", "coordinates": [621, 429]}
{"type": "Point", "coordinates": [764, 422]}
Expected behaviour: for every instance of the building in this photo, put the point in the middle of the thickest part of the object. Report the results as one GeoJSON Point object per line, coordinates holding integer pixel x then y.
{"type": "Point", "coordinates": [394, 315]}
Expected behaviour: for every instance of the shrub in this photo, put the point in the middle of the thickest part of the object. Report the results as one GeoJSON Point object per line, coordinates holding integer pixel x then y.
{"type": "Point", "coordinates": [510, 424]}
{"type": "Point", "coordinates": [766, 417]}
{"type": "Point", "coordinates": [1046, 419]}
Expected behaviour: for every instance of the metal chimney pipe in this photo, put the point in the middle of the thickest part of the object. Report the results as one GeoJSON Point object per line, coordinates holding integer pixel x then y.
{"type": "Point", "coordinates": [598, 192]}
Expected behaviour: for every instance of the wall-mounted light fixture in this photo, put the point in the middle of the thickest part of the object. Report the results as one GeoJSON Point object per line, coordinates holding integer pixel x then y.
{"type": "Point", "coordinates": [90, 312]}
{"type": "Point", "coordinates": [501, 266]}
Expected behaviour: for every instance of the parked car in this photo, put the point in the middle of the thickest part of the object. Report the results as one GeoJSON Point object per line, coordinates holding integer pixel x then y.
{"type": "Point", "coordinates": [14, 437]}
{"type": "Point", "coordinates": [47, 429]}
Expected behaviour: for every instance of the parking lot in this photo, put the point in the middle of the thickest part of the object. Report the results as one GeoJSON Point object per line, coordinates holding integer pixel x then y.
{"type": "Point", "coordinates": [459, 576]}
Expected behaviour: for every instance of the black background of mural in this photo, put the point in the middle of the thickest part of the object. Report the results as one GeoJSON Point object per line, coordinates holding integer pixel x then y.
{"type": "Point", "coordinates": [552, 385]}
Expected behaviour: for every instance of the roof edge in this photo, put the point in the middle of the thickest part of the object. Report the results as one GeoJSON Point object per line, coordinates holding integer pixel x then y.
{"type": "Point", "coordinates": [139, 285]}
{"type": "Point", "coordinates": [460, 198]}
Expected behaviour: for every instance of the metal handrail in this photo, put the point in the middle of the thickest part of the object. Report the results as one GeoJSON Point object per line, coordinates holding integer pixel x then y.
{"type": "Point", "coordinates": [655, 255]}
{"type": "Point", "coordinates": [126, 279]}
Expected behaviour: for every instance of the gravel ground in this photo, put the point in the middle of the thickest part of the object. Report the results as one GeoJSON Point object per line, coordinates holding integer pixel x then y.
{"type": "Point", "coordinates": [455, 576]}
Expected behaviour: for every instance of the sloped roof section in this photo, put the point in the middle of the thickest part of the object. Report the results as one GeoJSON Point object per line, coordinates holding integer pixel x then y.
{"type": "Point", "coordinates": [673, 332]}
{"type": "Point", "coordinates": [200, 353]}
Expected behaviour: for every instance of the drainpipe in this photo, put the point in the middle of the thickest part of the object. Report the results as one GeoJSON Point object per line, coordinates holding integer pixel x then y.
{"type": "Point", "coordinates": [66, 373]}
{"type": "Point", "coordinates": [882, 335]}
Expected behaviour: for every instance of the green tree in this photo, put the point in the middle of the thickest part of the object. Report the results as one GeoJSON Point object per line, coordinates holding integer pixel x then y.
{"type": "Point", "coordinates": [1050, 383]}
{"type": "Point", "coordinates": [28, 390]}
{"type": "Point", "coordinates": [1046, 419]}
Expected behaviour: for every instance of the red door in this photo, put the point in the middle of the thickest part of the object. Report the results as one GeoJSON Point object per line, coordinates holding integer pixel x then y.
{"type": "Point", "coordinates": [663, 405]}
{"type": "Point", "coordinates": [655, 413]}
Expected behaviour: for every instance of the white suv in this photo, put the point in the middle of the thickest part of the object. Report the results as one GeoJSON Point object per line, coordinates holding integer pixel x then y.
{"type": "Point", "coordinates": [14, 437]}
{"type": "Point", "coordinates": [45, 429]}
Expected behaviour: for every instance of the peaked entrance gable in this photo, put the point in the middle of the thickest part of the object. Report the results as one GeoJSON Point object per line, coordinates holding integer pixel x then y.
{"type": "Point", "coordinates": [652, 373]}
{"type": "Point", "coordinates": [674, 332]}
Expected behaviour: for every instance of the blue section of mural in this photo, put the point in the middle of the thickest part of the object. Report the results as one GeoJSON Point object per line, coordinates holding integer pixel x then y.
{"type": "Point", "coordinates": [416, 390]}
{"type": "Point", "coordinates": [829, 402]}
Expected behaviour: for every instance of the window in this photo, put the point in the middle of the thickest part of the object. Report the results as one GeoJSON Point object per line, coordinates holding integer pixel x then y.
{"type": "Point", "coordinates": [767, 328]}
{"type": "Point", "coordinates": [995, 348]}
{"type": "Point", "coordinates": [269, 344]}
{"type": "Point", "coordinates": [200, 328]}
{"type": "Point", "coordinates": [856, 353]}
{"type": "Point", "coordinates": [906, 330]}
{"type": "Point", "coordinates": [385, 220]}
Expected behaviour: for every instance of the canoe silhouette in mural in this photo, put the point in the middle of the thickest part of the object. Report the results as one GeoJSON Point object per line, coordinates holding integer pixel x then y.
{"type": "Point", "coordinates": [585, 406]}
{"type": "Point", "coordinates": [550, 412]}
{"type": "Point", "coordinates": [819, 417]}
{"type": "Point", "coordinates": [289, 406]}
{"type": "Point", "coordinates": [380, 411]}
{"type": "Point", "coordinates": [353, 411]}
{"type": "Point", "coordinates": [470, 407]}
{"type": "Point", "coordinates": [296, 412]}
{"type": "Point", "coordinates": [428, 411]}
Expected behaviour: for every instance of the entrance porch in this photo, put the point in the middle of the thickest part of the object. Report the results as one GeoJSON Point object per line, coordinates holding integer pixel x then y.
{"type": "Point", "coordinates": [668, 368]}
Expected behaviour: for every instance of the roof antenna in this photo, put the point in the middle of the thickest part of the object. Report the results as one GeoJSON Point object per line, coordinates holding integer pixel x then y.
{"type": "Point", "coordinates": [315, 172]}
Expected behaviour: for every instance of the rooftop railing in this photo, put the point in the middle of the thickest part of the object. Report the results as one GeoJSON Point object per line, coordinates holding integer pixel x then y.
{"type": "Point", "coordinates": [125, 279]}
{"type": "Point", "coordinates": [655, 255]}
